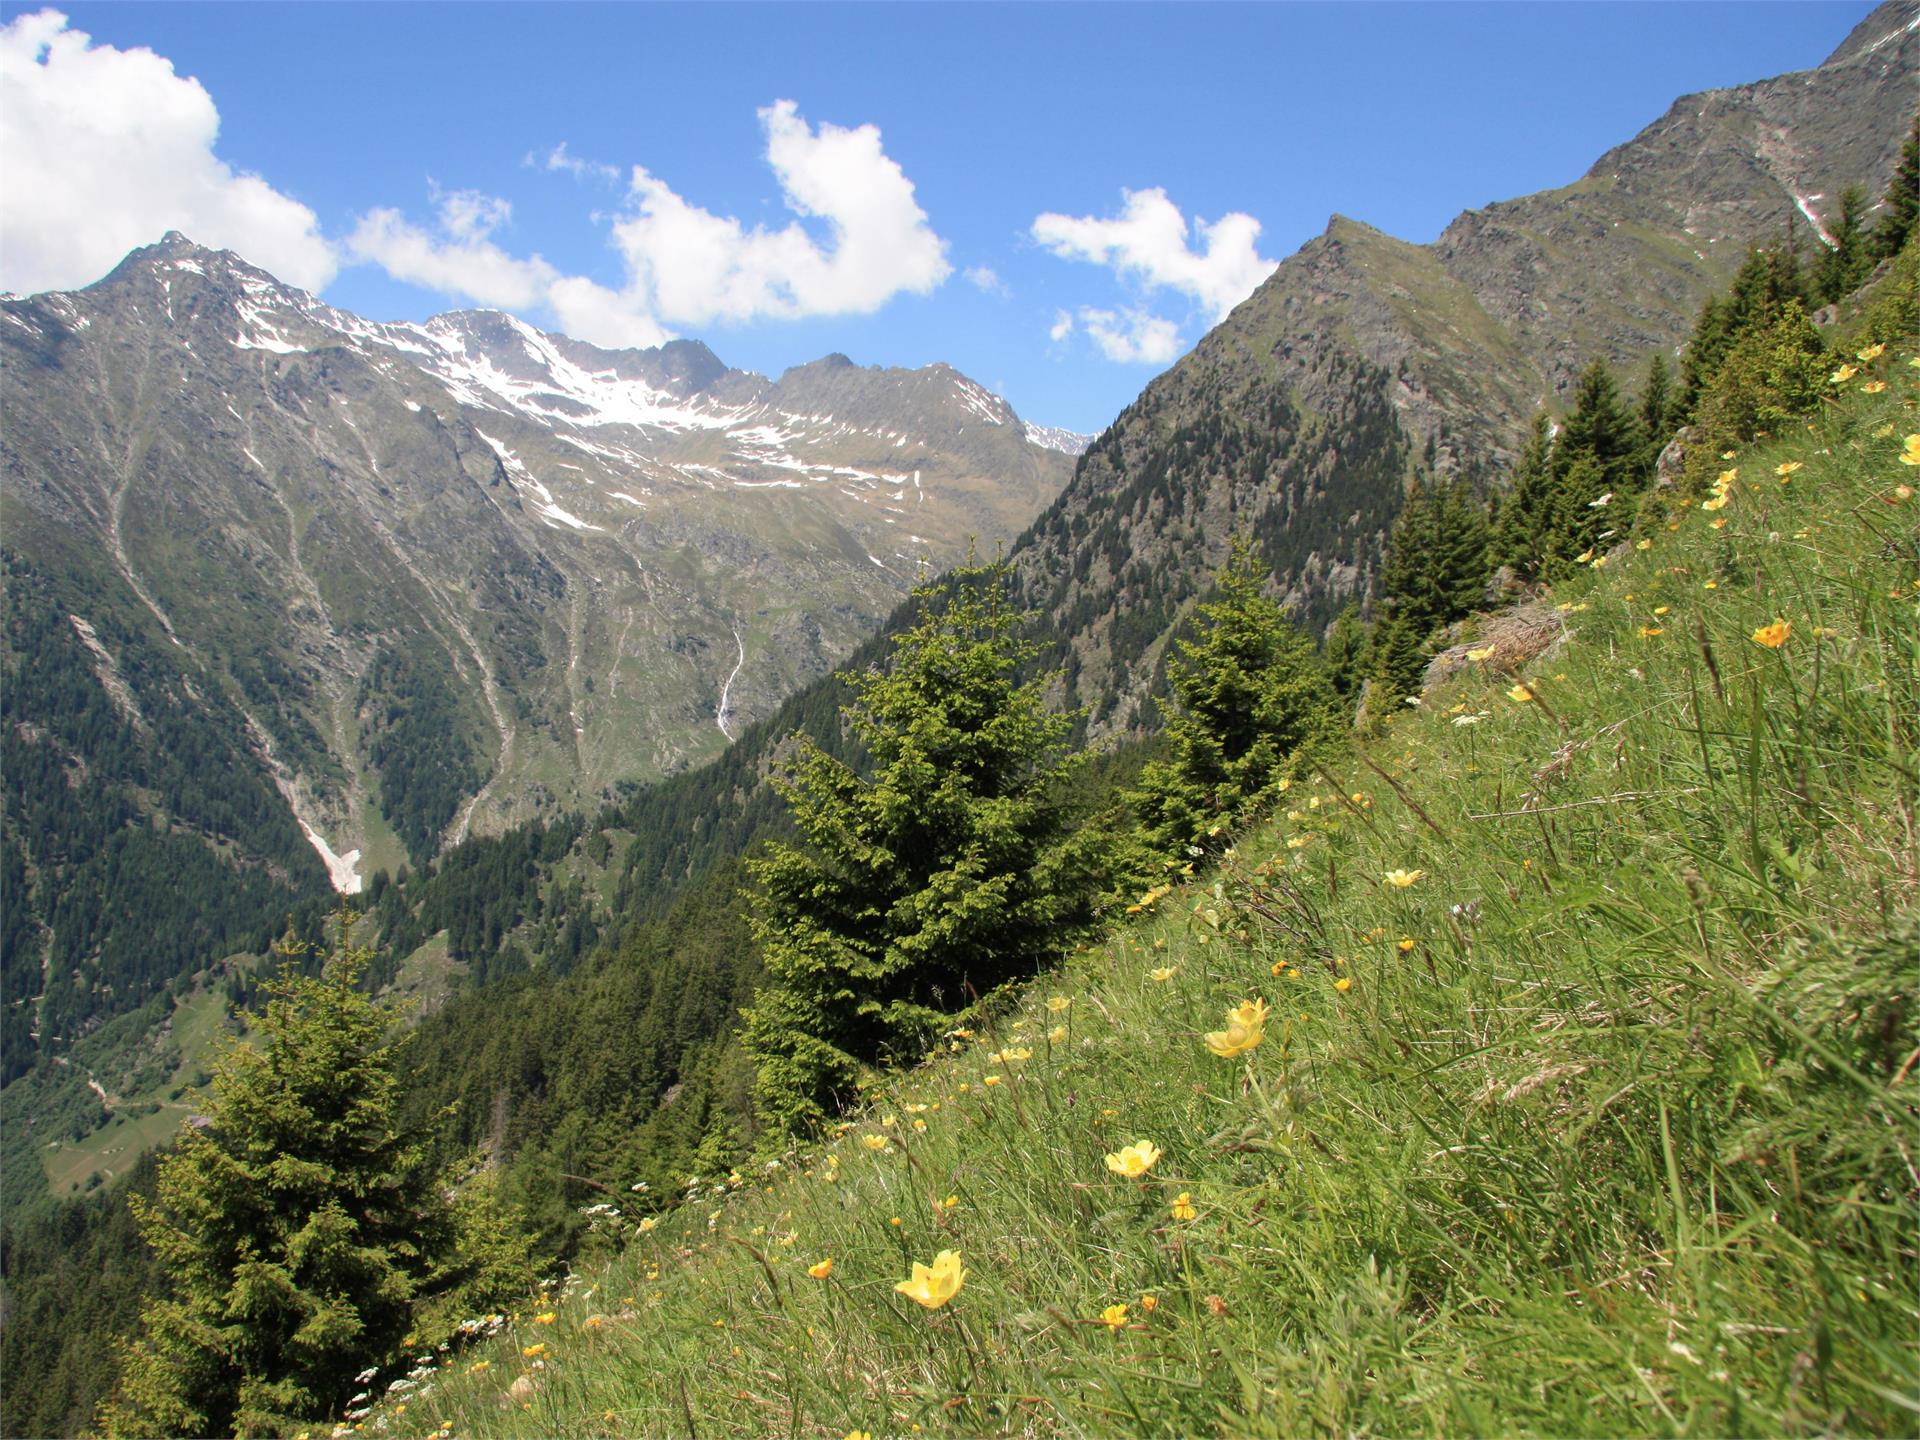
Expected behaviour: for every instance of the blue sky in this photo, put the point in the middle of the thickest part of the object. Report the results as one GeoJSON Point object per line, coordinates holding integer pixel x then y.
{"type": "Point", "coordinates": [966, 168]}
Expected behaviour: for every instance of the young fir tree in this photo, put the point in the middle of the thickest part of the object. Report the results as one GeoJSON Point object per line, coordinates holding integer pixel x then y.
{"type": "Point", "coordinates": [951, 868]}
{"type": "Point", "coordinates": [1249, 694]}
{"type": "Point", "coordinates": [1519, 539]}
{"type": "Point", "coordinates": [299, 1228]}
{"type": "Point", "coordinates": [1435, 573]}
{"type": "Point", "coordinates": [1900, 210]}
{"type": "Point", "coordinates": [1656, 420]}
{"type": "Point", "coordinates": [1773, 375]}
{"type": "Point", "coordinates": [1767, 281]}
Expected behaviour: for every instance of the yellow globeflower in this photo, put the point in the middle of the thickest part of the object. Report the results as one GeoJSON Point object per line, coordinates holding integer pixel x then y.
{"type": "Point", "coordinates": [1246, 1023]}
{"type": "Point", "coordinates": [822, 1270]}
{"type": "Point", "coordinates": [1134, 1160]}
{"type": "Point", "coordinates": [1182, 1207]}
{"type": "Point", "coordinates": [1401, 879]}
{"type": "Point", "coordinates": [1910, 450]}
{"type": "Point", "coordinates": [1773, 636]}
{"type": "Point", "coordinates": [934, 1285]}
{"type": "Point", "coordinates": [1114, 1316]}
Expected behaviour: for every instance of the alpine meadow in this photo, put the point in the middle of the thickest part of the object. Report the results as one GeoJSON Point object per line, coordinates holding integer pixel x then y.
{"type": "Point", "coordinates": [552, 884]}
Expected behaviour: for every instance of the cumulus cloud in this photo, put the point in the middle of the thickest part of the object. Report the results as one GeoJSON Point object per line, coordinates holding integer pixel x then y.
{"type": "Point", "coordinates": [1132, 337]}
{"type": "Point", "coordinates": [1151, 244]}
{"type": "Point", "coordinates": [689, 266]}
{"type": "Point", "coordinates": [106, 149]}
{"type": "Point", "coordinates": [684, 265]}
{"type": "Point", "coordinates": [461, 258]}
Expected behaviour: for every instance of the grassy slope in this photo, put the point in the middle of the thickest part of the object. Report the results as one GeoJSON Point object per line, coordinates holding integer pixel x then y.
{"type": "Point", "coordinates": [1611, 1132]}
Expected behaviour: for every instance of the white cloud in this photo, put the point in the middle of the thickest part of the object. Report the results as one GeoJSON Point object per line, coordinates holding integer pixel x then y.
{"type": "Point", "coordinates": [986, 280]}
{"type": "Point", "coordinates": [461, 259]}
{"type": "Point", "coordinates": [1062, 326]}
{"type": "Point", "coordinates": [105, 150]}
{"type": "Point", "coordinates": [1148, 242]}
{"type": "Point", "coordinates": [689, 266]}
{"type": "Point", "coordinates": [1135, 337]}
{"type": "Point", "coordinates": [559, 159]}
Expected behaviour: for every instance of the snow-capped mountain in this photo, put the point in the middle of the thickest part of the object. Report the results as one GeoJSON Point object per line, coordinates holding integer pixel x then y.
{"type": "Point", "coordinates": [452, 574]}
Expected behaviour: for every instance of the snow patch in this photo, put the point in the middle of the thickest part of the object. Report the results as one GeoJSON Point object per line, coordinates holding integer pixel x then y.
{"type": "Point", "coordinates": [341, 869]}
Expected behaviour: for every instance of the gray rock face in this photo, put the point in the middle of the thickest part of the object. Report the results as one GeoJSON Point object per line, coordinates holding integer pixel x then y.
{"type": "Point", "coordinates": [457, 572]}
{"type": "Point", "coordinates": [1298, 417]}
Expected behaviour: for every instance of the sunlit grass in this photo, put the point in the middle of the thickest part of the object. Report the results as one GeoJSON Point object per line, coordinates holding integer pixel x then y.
{"type": "Point", "coordinates": [1582, 1102]}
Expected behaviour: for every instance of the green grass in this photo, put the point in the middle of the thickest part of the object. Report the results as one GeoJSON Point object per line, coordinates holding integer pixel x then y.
{"type": "Point", "coordinates": [1604, 1125]}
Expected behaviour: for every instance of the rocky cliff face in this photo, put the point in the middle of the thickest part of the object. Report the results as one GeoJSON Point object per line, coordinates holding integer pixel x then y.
{"type": "Point", "coordinates": [1299, 416]}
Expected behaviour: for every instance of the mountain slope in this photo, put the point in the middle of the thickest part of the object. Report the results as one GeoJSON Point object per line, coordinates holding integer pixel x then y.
{"type": "Point", "coordinates": [411, 582]}
{"type": "Point", "coordinates": [1298, 417]}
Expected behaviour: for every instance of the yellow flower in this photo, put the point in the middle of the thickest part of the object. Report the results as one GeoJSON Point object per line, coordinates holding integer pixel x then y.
{"type": "Point", "coordinates": [546, 1319]}
{"type": "Point", "coordinates": [1786, 468]}
{"type": "Point", "coordinates": [1872, 353]}
{"type": "Point", "coordinates": [1773, 636]}
{"type": "Point", "coordinates": [1299, 842]}
{"type": "Point", "coordinates": [1599, 561]}
{"type": "Point", "coordinates": [934, 1285]}
{"type": "Point", "coordinates": [532, 1350]}
{"type": "Point", "coordinates": [1405, 943]}
{"type": "Point", "coordinates": [1058, 1003]}
{"type": "Point", "coordinates": [822, 1270]}
{"type": "Point", "coordinates": [1134, 1160]}
{"type": "Point", "coordinates": [1519, 694]}
{"type": "Point", "coordinates": [1246, 1024]}
{"type": "Point", "coordinates": [1643, 544]}
{"type": "Point", "coordinates": [1401, 879]}
{"type": "Point", "coordinates": [1910, 448]}
{"type": "Point", "coordinates": [478, 1366]}
{"type": "Point", "coordinates": [876, 1143]}
{"type": "Point", "coordinates": [1726, 478]}
{"type": "Point", "coordinates": [859, 1435]}
{"type": "Point", "coordinates": [1014, 1057]}
{"type": "Point", "coordinates": [1583, 557]}
{"type": "Point", "coordinates": [647, 1224]}
{"type": "Point", "coordinates": [1661, 609]}
{"type": "Point", "coordinates": [1843, 374]}
{"type": "Point", "coordinates": [1718, 502]}
{"type": "Point", "coordinates": [1149, 1304]}
{"type": "Point", "coordinates": [1343, 984]}
{"type": "Point", "coordinates": [1719, 524]}
{"type": "Point", "coordinates": [1165, 972]}
{"type": "Point", "coordinates": [1057, 1035]}
{"type": "Point", "coordinates": [1647, 632]}
{"type": "Point", "coordinates": [1485, 652]}
{"type": "Point", "coordinates": [1114, 1316]}
{"type": "Point", "coordinates": [1873, 387]}
{"type": "Point", "coordinates": [1182, 1207]}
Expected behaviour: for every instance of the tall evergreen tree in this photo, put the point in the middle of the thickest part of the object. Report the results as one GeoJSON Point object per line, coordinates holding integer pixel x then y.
{"type": "Point", "coordinates": [1519, 539]}
{"type": "Point", "coordinates": [299, 1228]}
{"type": "Point", "coordinates": [1850, 255]}
{"type": "Point", "coordinates": [1657, 401]}
{"type": "Point", "coordinates": [1250, 693]}
{"type": "Point", "coordinates": [1900, 210]}
{"type": "Point", "coordinates": [952, 867]}
{"type": "Point", "coordinates": [1435, 573]}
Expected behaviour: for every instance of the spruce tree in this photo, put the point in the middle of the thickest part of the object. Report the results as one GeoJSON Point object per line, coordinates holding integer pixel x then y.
{"type": "Point", "coordinates": [952, 866]}
{"type": "Point", "coordinates": [1766, 283]}
{"type": "Point", "coordinates": [1435, 573]}
{"type": "Point", "coordinates": [1249, 695]}
{"type": "Point", "coordinates": [1850, 255]}
{"type": "Point", "coordinates": [1519, 539]}
{"type": "Point", "coordinates": [298, 1227]}
{"type": "Point", "coordinates": [1900, 210]}
{"type": "Point", "coordinates": [1656, 419]}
